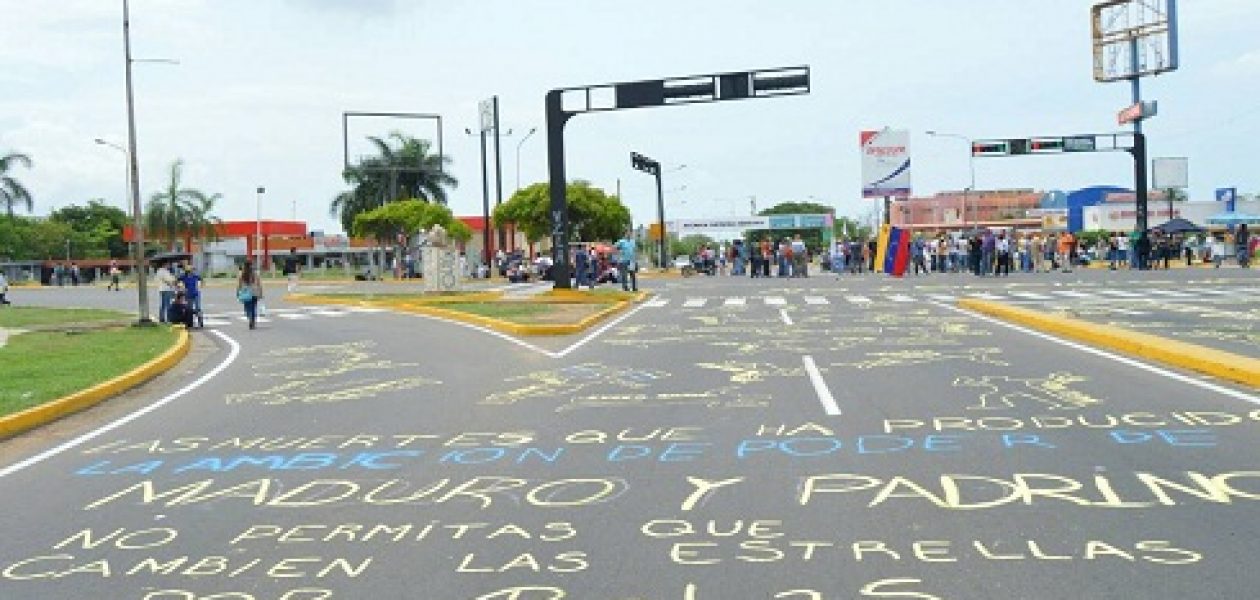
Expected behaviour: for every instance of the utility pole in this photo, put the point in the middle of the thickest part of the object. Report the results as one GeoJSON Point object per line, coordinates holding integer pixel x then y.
{"type": "Point", "coordinates": [137, 224]}
{"type": "Point", "coordinates": [498, 172]}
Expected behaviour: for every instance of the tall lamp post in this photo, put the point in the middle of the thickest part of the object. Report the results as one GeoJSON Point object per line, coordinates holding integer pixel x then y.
{"type": "Point", "coordinates": [258, 237]}
{"type": "Point", "coordinates": [532, 131]}
{"type": "Point", "coordinates": [131, 248]}
{"type": "Point", "coordinates": [971, 163]}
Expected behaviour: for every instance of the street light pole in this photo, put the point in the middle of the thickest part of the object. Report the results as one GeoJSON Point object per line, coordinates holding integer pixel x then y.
{"type": "Point", "coordinates": [142, 284]}
{"type": "Point", "coordinates": [532, 130]}
{"type": "Point", "coordinates": [971, 163]}
{"type": "Point", "coordinates": [258, 238]}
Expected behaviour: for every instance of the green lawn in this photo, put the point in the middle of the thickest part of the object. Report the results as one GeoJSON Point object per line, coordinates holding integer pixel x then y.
{"type": "Point", "coordinates": [40, 366]}
{"type": "Point", "coordinates": [527, 313]}
{"type": "Point", "coordinates": [26, 316]}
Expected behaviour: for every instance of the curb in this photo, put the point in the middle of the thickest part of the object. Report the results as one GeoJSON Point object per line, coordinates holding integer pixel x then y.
{"type": "Point", "coordinates": [1225, 365]}
{"type": "Point", "coordinates": [38, 416]}
{"type": "Point", "coordinates": [434, 309]}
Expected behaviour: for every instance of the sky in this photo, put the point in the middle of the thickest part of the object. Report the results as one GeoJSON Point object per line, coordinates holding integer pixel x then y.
{"type": "Point", "coordinates": [257, 96]}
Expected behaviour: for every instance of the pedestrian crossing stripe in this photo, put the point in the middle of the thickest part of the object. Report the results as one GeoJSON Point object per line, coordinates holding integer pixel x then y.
{"type": "Point", "coordinates": [293, 316]}
{"type": "Point", "coordinates": [858, 299]}
{"type": "Point", "coordinates": [943, 297]}
{"type": "Point", "coordinates": [695, 302]}
{"type": "Point", "coordinates": [816, 300]}
{"type": "Point", "coordinates": [775, 301]}
{"type": "Point", "coordinates": [1012, 296]}
{"type": "Point", "coordinates": [900, 298]}
{"type": "Point", "coordinates": [1030, 296]}
{"type": "Point", "coordinates": [736, 301]}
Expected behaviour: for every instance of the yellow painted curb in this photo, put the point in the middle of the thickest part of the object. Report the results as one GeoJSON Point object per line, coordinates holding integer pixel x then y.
{"type": "Point", "coordinates": [38, 416]}
{"type": "Point", "coordinates": [1226, 365]}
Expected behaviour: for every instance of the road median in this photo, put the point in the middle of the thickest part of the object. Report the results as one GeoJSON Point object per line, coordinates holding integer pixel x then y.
{"type": "Point", "coordinates": [86, 363]}
{"type": "Point", "coordinates": [1218, 363]}
{"type": "Point", "coordinates": [553, 313]}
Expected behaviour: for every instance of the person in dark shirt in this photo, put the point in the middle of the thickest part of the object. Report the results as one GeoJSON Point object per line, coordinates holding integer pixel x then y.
{"type": "Point", "coordinates": [180, 313]}
{"type": "Point", "coordinates": [190, 281]}
{"type": "Point", "coordinates": [292, 266]}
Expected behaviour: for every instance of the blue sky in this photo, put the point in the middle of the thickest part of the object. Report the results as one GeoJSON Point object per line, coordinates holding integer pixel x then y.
{"type": "Point", "coordinates": [257, 96]}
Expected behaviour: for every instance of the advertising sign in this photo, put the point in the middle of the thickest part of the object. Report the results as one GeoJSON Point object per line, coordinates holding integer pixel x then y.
{"type": "Point", "coordinates": [699, 226]}
{"type": "Point", "coordinates": [885, 163]}
{"type": "Point", "coordinates": [1168, 173]}
{"type": "Point", "coordinates": [1229, 196]}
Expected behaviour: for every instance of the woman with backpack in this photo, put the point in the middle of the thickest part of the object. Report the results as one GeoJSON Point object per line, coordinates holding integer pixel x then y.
{"type": "Point", "coordinates": [249, 291]}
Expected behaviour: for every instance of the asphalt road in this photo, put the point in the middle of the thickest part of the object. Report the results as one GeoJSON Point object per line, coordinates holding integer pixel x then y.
{"type": "Point", "coordinates": [730, 439]}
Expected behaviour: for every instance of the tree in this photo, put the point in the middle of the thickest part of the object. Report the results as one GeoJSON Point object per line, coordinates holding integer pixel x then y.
{"type": "Point", "coordinates": [12, 192]}
{"type": "Point", "coordinates": [24, 238]}
{"type": "Point", "coordinates": [180, 213]}
{"type": "Point", "coordinates": [408, 217]}
{"type": "Point", "coordinates": [593, 214]}
{"type": "Point", "coordinates": [849, 228]}
{"type": "Point", "coordinates": [688, 245]}
{"type": "Point", "coordinates": [403, 168]}
{"type": "Point", "coordinates": [97, 228]}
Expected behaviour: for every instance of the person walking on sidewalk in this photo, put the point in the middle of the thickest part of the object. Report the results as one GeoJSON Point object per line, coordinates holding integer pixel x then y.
{"type": "Point", "coordinates": [4, 290]}
{"type": "Point", "coordinates": [114, 273]}
{"type": "Point", "coordinates": [190, 280]}
{"type": "Point", "coordinates": [249, 291]}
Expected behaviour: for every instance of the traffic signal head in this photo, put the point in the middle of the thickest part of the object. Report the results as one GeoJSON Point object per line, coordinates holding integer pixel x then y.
{"type": "Point", "coordinates": [990, 148]}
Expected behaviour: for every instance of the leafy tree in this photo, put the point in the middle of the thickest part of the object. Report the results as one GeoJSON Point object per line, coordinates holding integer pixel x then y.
{"type": "Point", "coordinates": [593, 214]}
{"type": "Point", "coordinates": [24, 238]}
{"type": "Point", "coordinates": [688, 245]}
{"type": "Point", "coordinates": [849, 228]}
{"type": "Point", "coordinates": [12, 193]}
{"type": "Point", "coordinates": [98, 226]}
{"type": "Point", "coordinates": [404, 167]}
{"type": "Point", "coordinates": [178, 213]}
{"type": "Point", "coordinates": [408, 217]}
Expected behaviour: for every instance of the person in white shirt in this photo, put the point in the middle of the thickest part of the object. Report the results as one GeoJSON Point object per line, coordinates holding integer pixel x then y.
{"type": "Point", "coordinates": [166, 290]}
{"type": "Point", "coordinates": [4, 290]}
{"type": "Point", "coordinates": [1003, 248]}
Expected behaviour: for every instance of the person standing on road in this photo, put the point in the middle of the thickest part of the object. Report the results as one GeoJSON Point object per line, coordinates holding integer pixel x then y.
{"type": "Point", "coordinates": [1242, 245]}
{"type": "Point", "coordinates": [191, 282]}
{"type": "Point", "coordinates": [627, 265]}
{"type": "Point", "coordinates": [1218, 250]}
{"type": "Point", "coordinates": [4, 290]}
{"type": "Point", "coordinates": [114, 273]}
{"type": "Point", "coordinates": [582, 267]}
{"type": "Point", "coordinates": [1003, 247]}
{"type": "Point", "coordinates": [166, 291]}
{"type": "Point", "coordinates": [249, 291]}
{"type": "Point", "coordinates": [800, 257]}
{"type": "Point", "coordinates": [293, 266]}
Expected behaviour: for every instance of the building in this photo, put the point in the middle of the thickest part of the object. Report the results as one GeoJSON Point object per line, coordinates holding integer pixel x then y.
{"type": "Point", "coordinates": [949, 211]}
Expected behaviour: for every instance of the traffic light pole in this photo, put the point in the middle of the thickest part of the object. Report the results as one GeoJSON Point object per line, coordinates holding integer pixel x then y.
{"type": "Point", "coordinates": [671, 91]}
{"type": "Point", "coordinates": [556, 120]}
{"type": "Point", "coordinates": [1140, 178]}
{"type": "Point", "coordinates": [660, 218]}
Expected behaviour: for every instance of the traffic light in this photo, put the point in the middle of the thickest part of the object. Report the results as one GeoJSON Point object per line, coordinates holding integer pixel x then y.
{"type": "Point", "coordinates": [1046, 145]}
{"type": "Point", "coordinates": [990, 148]}
{"type": "Point", "coordinates": [643, 163]}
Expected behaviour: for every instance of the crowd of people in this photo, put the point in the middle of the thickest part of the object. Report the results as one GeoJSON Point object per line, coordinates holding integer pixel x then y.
{"type": "Point", "coordinates": [982, 253]}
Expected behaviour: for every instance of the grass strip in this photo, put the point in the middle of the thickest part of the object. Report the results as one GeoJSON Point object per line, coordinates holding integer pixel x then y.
{"type": "Point", "coordinates": [38, 367]}
{"type": "Point", "coordinates": [30, 316]}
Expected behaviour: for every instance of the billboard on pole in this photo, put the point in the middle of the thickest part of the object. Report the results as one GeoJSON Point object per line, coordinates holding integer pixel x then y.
{"type": "Point", "coordinates": [885, 163]}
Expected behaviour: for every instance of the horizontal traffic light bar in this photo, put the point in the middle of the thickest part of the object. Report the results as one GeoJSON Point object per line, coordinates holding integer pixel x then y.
{"type": "Point", "coordinates": [714, 87]}
{"type": "Point", "coordinates": [1105, 142]}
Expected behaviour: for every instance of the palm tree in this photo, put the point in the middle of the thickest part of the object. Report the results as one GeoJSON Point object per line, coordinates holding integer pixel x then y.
{"type": "Point", "coordinates": [178, 212]}
{"type": "Point", "coordinates": [12, 193]}
{"type": "Point", "coordinates": [403, 167]}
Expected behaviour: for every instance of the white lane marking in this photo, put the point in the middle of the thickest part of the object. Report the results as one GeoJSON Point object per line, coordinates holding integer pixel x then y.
{"type": "Point", "coordinates": [657, 303]}
{"type": "Point", "coordinates": [365, 309]}
{"type": "Point", "coordinates": [597, 332]}
{"type": "Point", "coordinates": [294, 316]}
{"type": "Point", "coordinates": [1220, 389]}
{"type": "Point", "coordinates": [235, 349]}
{"type": "Point", "coordinates": [820, 387]}
{"type": "Point", "coordinates": [816, 300]}
{"type": "Point", "coordinates": [1030, 296]}
{"type": "Point", "coordinates": [736, 301]}
{"type": "Point", "coordinates": [216, 323]}
{"type": "Point", "coordinates": [858, 299]}
{"type": "Point", "coordinates": [900, 298]}
{"type": "Point", "coordinates": [1171, 293]}
{"type": "Point", "coordinates": [1070, 294]}
{"type": "Point", "coordinates": [775, 301]}
{"type": "Point", "coordinates": [328, 313]}
{"type": "Point", "coordinates": [943, 297]}
{"type": "Point", "coordinates": [1120, 294]}
{"type": "Point", "coordinates": [986, 296]}
{"type": "Point", "coordinates": [695, 302]}
{"type": "Point", "coordinates": [786, 319]}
